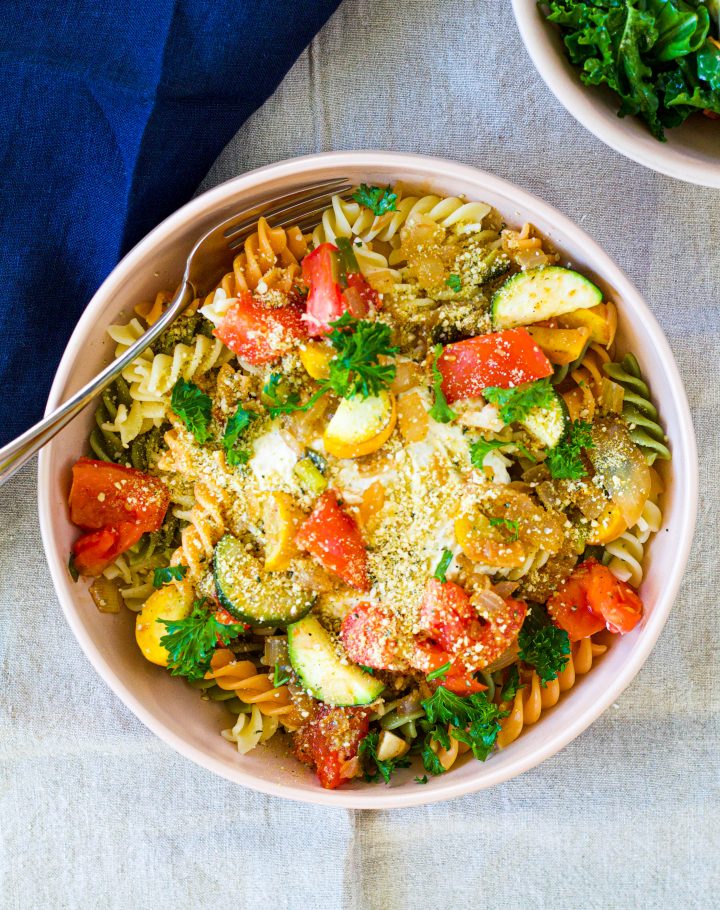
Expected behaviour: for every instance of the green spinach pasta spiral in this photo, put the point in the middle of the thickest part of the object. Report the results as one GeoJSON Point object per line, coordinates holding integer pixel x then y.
{"type": "Point", "coordinates": [638, 410]}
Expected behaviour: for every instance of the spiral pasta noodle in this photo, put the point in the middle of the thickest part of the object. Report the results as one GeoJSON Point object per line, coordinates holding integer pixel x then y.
{"type": "Point", "coordinates": [252, 687]}
{"type": "Point", "coordinates": [638, 409]}
{"type": "Point", "coordinates": [251, 729]}
{"type": "Point", "coordinates": [533, 699]}
{"type": "Point", "coordinates": [206, 525]}
{"type": "Point", "coordinates": [624, 555]}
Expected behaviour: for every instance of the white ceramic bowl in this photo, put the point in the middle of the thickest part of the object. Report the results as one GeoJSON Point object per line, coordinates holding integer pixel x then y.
{"type": "Point", "coordinates": [692, 152]}
{"type": "Point", "coordinates": [173, 710]}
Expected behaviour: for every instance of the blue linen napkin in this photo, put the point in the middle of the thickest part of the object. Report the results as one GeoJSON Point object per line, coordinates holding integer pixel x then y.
{"type": "Point", "coordinates": [111, 113]}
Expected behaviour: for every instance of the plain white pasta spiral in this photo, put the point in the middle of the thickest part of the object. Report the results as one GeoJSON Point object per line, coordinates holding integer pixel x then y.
{"type": "Point", "coordinates": [138, 418]}
{"type": "Point", "coordinates": [625, 554]}
{"type": "Point", "coordinates": [217, 308]}
{"type": "Point", "coordinates": [251, 729]}
{"type": "Point", "coordinates": [153, 379]}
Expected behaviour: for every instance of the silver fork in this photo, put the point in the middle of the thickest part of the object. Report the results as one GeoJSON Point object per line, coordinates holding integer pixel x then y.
{"type": "Point", "coordinates": [206, 262]}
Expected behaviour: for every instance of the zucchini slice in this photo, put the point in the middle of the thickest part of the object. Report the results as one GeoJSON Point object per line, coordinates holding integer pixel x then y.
{"type": "Point", "coordinates": [315, 659]}
{"type": "Point", "coordinates": [251, 594]}
{"type": "Point", "coordinates": [542, 293]}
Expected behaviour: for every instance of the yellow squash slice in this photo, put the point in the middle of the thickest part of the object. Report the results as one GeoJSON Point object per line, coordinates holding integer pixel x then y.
{"type": "Point", "coordinates": [361, 425]}
{"type": "Point", "coordinates": [173, 601]}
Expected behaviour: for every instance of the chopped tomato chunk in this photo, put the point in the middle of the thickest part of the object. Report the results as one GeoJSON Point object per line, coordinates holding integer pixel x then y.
{"type": "Point", "coordinates": [593, 599]}
{"type": "Point", "coordinates": [109, 494]}
{"type": "Point", "coordinates": [117, 505]}
{"type": "Point", "coordinates": [428, 657]}
{"type": "Point", "coordinates": [330, 740]}
{"type": "Point", "coordinates": [259, 333]}
{"type": "Point", "coordinates": [369, 634]}
{"type": "Point", "coordinates": [325, 301]}
{"type": "Point", "coordinates": [333, 538]}
{"type": "Point", "coordinates": [446, 613]}
{"type": "Point", "coordinates": [505, 359]}
{"type": "Point", "coordinates": [96, 550]}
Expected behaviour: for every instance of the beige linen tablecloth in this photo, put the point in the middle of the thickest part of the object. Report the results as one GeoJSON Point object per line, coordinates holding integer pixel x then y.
{"type": "Point", "coordinates": [95, 812]}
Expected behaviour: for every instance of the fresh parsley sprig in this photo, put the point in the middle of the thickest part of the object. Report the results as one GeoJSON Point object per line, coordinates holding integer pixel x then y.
{"type": "Point", "coordinates": [190, 642]}
{"type": "Point", "coordinates": [543, 646]}
{"type": "Point", "coordinates": [375, 767]}
{"type": "Point", "coordinates": [234, 429]}
{"type": "Point", "coordinates": [193, 407]}
{"type": "Point", "coordinates": [564, 460]}
{"type": "Point", "coordinates": [516, 403]}
{"type": "Point", "coordinates": [376, 198]}
{"type": "Point", "coordinates": [167, 574]}
{"type": "Point", "coordinates": [440, 411]}
{"type": "Point", "coordinates": [474, 719]}
{"type": "Point", "coordinates": [355, 370]}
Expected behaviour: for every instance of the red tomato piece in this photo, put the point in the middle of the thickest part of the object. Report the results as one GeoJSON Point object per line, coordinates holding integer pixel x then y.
{"type": "Point", "coordinates": [446, 613]}
{"type": "Point", "coordinates": [359, 297]}
{"type": "Point", "coordinates": [505, 359]}
{"type": "Point", "coordinates": [325, 301]}
{"type": "Point", "coordinates": [461, 681]}
{"type": "Point", "coordinates": [97, 550]}
{"type": "Point", "coordinates": [333, 538]}
{"type": "Point", "coordinates": [429, 656]}
{"type": "Point", "coordinates": [592, 599]}
{"type": "Point", "coordinates": [330, 740]}
{"type": "Point", "coordinates": [104, 494]}
{"type": "Point", "coordinates": [259, 333]}
{"type": "Point", "coordinates": [369, 634]}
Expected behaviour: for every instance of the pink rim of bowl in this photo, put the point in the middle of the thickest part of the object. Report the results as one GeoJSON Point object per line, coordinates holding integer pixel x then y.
{"type": "Point", "coordinates": [692, 152]}
{"type": "Point", "coordinates": [172, 710]}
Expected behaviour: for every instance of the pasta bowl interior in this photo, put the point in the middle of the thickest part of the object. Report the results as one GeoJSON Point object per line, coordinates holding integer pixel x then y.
{"type": "Point", "coordinates": [172, 708]}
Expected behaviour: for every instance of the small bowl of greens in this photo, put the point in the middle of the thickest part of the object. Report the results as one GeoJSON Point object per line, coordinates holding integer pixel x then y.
{"type": "Point", "coordinates": [642, 75]}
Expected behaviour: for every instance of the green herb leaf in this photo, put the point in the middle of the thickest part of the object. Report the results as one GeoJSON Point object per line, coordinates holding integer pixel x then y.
{"type": "Point", "coordinates": [422, 780]}
{"type": "Point", "coordinates": [72, 569]}
{"type": "Point", "coordinates": [376, 767]}
{"type": "Point", "coordinates": [369, 670]}
{"type": "Point", "coordinates": [440, 673]}
{"type": "Point", "coordinates": [454, 282]}
{"type": "Point", "coordinates": [280, 677]}
{"type": "Point", "coordinates": [356, 368]}
{"type": "Point", "coordinates": [512, 684]}
{"type": "Point", "coordinates": [168, 573]}
{"type": "Point", "coordinates": [474, 719]}
{"type": "Point", "coordinates": [442, 566]}
{"type": "Point", "coordinates": [508, 524]}
{"type": "Point", "coordinates": [516, 403]}
{"type": "Point", "coordinates": [234, 428]}
{"type": "Point", "coordinates": [277, 406]}
{"type": "Point", "coordinates": [348, 260]}
{"type": "Point", "coordinates": [193, 407]}
{"type": "Point", "coordinates": [564, 460]}
{"type": "Point", "coordinates": [190, 642]}
{"type": "Point", "coordinates": [480, 449]}
{"type": "Point", "coordinates": [440, 411]}
{"type": "Point", "coordinates": [378, 199]}
{"type": "Point", "coordinates": [547, 649]}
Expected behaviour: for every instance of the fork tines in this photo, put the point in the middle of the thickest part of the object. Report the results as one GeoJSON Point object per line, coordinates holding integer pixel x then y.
{"type": "Point", "coordinates": [300, 206]}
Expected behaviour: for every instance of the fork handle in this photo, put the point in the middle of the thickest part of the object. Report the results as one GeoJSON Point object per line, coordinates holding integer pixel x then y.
{"type": "Point", "coordinates": [16, 453]}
